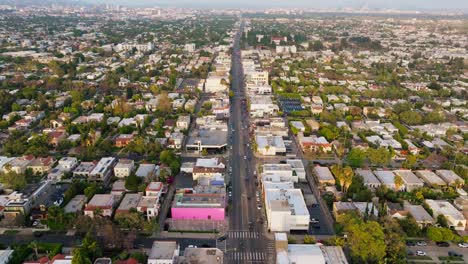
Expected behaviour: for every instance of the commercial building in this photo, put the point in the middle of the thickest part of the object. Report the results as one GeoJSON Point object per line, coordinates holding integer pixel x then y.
{"type": "Point", "coordinates": [298, 168]}
{"type": "Point", "coordinates": [284, 171]}
{"type": "Point", "coordinates": [213, 141]}
{"type": "Point", "coordinates": [286, 210]}
{"type": "Point", "coordinates": [296, 253]}
{"type": "Point", "coordinates": [270, 145]}
{"type": "Point", "coordinates": [198, 207]}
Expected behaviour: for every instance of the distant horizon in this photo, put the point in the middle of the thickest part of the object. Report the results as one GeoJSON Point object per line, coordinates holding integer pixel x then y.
{"type": "Point", "coordinates": [319, 4]}
{"type": "Point", "coordinates": [413, 5]}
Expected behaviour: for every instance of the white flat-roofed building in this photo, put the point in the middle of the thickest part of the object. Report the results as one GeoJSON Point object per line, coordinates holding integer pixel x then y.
{"type": "Point", "coordinates": [387, 178]}
{"type": "Point", "coordinates": [450, 177]}
{"type": "Point", "coordinates": [298, 168]}
{"type": "Point", "coordinates": [411, 181]}
{"type": "Point", "coordinates": [104, 202]}
{"type": "Point", "coordinates": [214, 84]}
{"type": "Point", "coordinates": [430, 178]}
{"type": "Point", "coordinates": [163, 252]}
{"type": "Point", "coordinates": [68, 163]}
{"type": "Point", "coordinates": [274, 182]}
{"type": "Point", "coordinates": [286, 210]}
{"type": "Point", "coordinates": [455, 218]}
{"type": "Point", "coordinates": [103, 170]}
{"type": "Point", "coordinates": [369, 179]}
{"type": "Point", "coordinates": [297, 254]}
{"type": "Point", "coordinates": [323, 175]}
{"type": "Point", "coordinates": [270, 145]}
{"type": "Point", "coordinates": [261, 105]}
{"type": "Point", "coordinates": [124, 168]}
{"type": "Point", "coordinates": [284, 171]}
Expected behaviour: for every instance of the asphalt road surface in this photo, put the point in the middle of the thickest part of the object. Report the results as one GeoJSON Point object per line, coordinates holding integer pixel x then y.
{"type": "Point", "coordinates": [246, 240]}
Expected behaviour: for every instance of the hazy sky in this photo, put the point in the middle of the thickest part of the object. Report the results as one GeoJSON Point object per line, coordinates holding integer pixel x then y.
{"type": "Point", "coordinates": [397, 4]}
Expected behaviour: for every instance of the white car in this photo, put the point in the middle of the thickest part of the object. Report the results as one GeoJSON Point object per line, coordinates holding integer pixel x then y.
{"type": "Point", "coordinates": [421, 253]}
{"type": "Point", "coordinates": [463, 245]}
{"type": "Point", "coordinates": [421, 243]}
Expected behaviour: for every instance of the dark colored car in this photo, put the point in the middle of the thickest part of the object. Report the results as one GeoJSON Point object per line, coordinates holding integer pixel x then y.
{"type": "Point", "coordinates": [222, 238]}
{"type": "Point", "coordinates": [443, 244]}
{"type": "Point", "coordinates": [410, 243]}
{"type": "Point", "coordinates": [455, 254]}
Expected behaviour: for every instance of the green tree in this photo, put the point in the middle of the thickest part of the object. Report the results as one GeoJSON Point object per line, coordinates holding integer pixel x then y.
{"type": "Point", "coordinates": [356, 157]}
{"type": "Point", "coordinates": [438, 234]}
{"type": "Point", "coordinates": [394, 241]}
{"type": "Point", "coordinates": [309, 239]}
{"type": "Point", "coordinates": [366, 240]}
{"type": "Point", "coordinates": [132, 182]}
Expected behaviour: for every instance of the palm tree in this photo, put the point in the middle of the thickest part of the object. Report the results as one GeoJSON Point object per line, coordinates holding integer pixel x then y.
{"type": "Point", "coordinates": [34, 245]}
{"type": "Point", "coordinates": [348, 175]}
{"type": "Point", "coordinates": [398, 182]}
{"type": "Point", "coordinates": [337, 170]}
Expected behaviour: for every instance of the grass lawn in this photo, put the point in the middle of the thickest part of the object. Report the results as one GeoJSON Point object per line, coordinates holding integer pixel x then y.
{"type": "Point", "coordinates": [452, 259]}
{"type": "Point", "coordinates": [418, 258]}
{"type": "Point", "coordinates": [11, 232]}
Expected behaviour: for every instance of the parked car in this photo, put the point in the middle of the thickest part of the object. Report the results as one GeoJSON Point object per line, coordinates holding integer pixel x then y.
{"type": "Point", "coordinates": [463, 245]}
{"type": "Point", "coordinates": [410, 243]}
{"type": "Point", "coordinates": [454, 254]}
{"type": "Point", "coordinates": [443, 244]}
{"type": "Point", "coordinates": [421, 253]}
{"type": "Point", "coordinates": [421, 243]}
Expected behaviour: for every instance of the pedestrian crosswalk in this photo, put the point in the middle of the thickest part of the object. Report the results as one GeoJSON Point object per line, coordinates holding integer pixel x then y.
{"type": "Point", "coordinates": [242, 257]}
{"type": "Point", "coordinates": [243, 235]}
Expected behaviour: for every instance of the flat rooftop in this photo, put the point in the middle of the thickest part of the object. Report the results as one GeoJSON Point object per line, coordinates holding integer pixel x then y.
{"type": "Point", "coordinates": [163, 250]}
{"type": "Point", "coordinates": [290, 199]}
{"type": "Point", "coordinates": [129, 201]}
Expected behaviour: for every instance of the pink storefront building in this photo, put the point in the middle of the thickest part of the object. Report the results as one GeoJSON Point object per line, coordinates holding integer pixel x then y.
{"type": "Point", "coordinates": [198, 207]}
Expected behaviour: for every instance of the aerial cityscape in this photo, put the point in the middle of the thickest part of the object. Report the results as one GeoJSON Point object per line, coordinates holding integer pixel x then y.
{"type": "Point", "coordinates": [211, 132]}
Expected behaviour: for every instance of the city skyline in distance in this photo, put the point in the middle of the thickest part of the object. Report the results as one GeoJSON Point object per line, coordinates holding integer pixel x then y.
{"type": "Point", "coordinates": [337, 4]}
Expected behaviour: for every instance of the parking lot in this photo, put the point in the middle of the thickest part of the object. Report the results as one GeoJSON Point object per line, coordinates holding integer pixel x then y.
{"type": "Point", "coordinates": [434, 252]}
{"type": "Point", "coordinates": [289, 105]}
